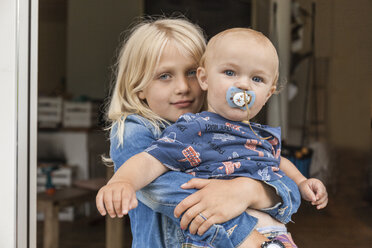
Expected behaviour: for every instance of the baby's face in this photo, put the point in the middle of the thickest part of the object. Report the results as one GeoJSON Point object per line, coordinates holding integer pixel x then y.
{"type": "Point", "coordinates": [241, 61]}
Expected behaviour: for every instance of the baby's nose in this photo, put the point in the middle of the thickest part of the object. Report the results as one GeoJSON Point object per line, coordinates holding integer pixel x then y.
{"type": "Point", "coordinates": [243, 84]}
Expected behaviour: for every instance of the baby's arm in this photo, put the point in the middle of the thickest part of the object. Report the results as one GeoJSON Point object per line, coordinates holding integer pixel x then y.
{"type": "Point", "coordinates": [312, 189]}
{"type": "Point", "coordinates": [119, 194]}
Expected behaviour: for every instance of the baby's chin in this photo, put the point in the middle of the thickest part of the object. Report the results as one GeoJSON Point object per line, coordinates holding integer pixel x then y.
{"type": "Point", "coordinates": [240, 115]}
{"type": "Point", "coordinates": [237, 116]}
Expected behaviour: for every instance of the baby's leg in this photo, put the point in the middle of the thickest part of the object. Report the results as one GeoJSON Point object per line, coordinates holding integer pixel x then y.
{"type": "Point", "coordinates": [264, 220]}
{"type": "Point", "coordinates": [272, 228]}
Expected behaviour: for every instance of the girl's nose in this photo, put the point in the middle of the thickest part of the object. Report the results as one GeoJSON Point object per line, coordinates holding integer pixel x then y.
{"type": "Point", "coordinates": [182, 86]}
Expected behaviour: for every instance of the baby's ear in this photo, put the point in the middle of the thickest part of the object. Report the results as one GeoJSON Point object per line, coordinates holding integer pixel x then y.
{"type": "Point", "coordinates": [201, 74]}
{"type": "Point", "coordinates": [271, 92]}
{"type": "Point", "coordinates": [273, 89]}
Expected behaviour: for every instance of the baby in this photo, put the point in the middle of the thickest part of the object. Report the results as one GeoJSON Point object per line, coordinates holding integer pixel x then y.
{"type": "Point", "coordinates": [239, 71]}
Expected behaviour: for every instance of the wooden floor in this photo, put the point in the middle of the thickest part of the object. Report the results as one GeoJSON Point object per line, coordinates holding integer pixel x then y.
{"type": "Point", "coordinates": [347, 220]}
{"type": "Point", "coordinates": [345, 223]}
{"type": "Point", "coordinates": [341, 225]}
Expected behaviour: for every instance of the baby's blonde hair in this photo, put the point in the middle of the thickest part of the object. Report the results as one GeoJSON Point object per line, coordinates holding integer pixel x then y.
{"type": "Point", "coordinates": [137, 63]}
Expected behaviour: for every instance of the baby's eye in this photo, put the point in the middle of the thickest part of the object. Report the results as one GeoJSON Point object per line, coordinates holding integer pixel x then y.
{"type": "Point", "coordinates": [257, 79]}
{"type": "Point", "coordinates": [191, 73]}
{"type": "Point", "coordinates": [229, 73]}
{"type": "Point", "coordinates": [164, 76]}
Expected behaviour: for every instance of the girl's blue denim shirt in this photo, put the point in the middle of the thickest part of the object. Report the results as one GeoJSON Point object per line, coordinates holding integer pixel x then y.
{"type": "Point", "coordinates": [153, 223]}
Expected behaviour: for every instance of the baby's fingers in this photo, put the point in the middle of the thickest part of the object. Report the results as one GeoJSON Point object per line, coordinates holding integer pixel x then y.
{"type": "Point", "coordinates": [99, 203]}
{"type": "Point", "coordinates": [321, 193]}
{"type": "Point", "coordinates": [117, 199]}
{"type": "Point", "coordinates": [134, 203]}
{"type": "Point", "coordinates": [128, 200]}
{"type": "Point", "coordinates": [107, 198]}
{"type": "Point", "coordinates": [308, 194]}
{"type": "Point", "coordinates": [322, 202]}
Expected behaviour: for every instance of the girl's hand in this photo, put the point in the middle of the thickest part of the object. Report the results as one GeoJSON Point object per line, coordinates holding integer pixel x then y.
{"type": "Point", "coordinates": [313, 190]}
{"type": "Point", "coordinates": [117, 198]}
{"type": "Point", "coordinates": [217, 200]}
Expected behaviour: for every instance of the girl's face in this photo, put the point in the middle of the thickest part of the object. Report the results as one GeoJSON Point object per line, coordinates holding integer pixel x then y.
{"type": "Point", "coordinates": [174, 90]}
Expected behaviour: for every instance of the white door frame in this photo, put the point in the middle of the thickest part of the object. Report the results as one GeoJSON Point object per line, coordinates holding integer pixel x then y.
{"type": "Point", "coordinates": [18, 125]}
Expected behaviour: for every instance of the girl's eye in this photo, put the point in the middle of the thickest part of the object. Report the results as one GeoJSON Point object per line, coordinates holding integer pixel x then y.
{"type": "Point", "coordinates": [191, 73]}
{"type": "Point", "coordinates": [257, 79]}
{"type": "Point", "coordinates": [229, 73]}
{"type": "Point", "coordinates": [164, 76]}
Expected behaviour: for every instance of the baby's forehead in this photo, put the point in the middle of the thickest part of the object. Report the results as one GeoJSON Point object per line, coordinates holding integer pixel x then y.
{"type": "Point", "coordinates": [241, 40]}
{"type": "Point", "coordinates": [240, 37]}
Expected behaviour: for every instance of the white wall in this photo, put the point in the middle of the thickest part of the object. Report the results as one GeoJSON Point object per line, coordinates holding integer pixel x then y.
{"type": "Point", "coordinates": [8, 125]}
{"type": "Point", "coordinates": [280, 35]}
{"type": "Point", "coordinates": [18, 85]}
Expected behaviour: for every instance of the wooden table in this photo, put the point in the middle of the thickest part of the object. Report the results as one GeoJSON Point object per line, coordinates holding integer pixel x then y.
{"type": "Point", "coordinates": [114, 227]}
{"type": "Point", "coordinates": [51, 204]}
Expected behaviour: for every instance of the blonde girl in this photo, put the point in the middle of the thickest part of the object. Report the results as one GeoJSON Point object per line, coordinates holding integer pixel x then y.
{"type": "Point", "coordinates": [156, 83]}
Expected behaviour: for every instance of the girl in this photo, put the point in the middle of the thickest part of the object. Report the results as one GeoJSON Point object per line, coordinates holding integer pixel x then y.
{"type": "Point", "coordinates": [156, 84]}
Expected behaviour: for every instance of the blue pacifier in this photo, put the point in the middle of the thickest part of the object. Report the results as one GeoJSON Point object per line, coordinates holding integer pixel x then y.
{"type": "Point", "coordinates": [235, 98]}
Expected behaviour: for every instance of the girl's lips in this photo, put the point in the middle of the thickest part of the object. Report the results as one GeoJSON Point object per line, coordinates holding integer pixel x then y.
{"type": "Point", "coordinates": [182, 104]}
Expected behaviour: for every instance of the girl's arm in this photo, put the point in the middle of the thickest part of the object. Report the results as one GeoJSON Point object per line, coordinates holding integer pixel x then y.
{"type": "Point", "coordinates": [139, 170]}
{"type": "Point", "coordinates": [222, 200]}
{"type": "Point", "coordinates": [119, 195]}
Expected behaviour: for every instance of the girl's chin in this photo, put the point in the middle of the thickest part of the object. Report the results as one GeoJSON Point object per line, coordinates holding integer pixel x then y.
{"type": "Point", "coordinates": [184, 111]}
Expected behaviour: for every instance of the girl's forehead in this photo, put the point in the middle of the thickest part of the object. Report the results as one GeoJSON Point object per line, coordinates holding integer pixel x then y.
{"type": "Point", "coordinates": [173, 50]}
{"type": "Point", "coordinates": [172, 58]}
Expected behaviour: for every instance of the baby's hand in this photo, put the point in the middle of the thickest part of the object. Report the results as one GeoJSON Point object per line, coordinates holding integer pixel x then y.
{"type": "Point", "coordinates": [117, 197]}
{"type": "Point", "coordinates": [313, 190]}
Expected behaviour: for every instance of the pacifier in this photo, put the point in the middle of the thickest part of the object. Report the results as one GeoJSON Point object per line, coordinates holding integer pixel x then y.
{"type": "Point", "coordinates": [235, 98]}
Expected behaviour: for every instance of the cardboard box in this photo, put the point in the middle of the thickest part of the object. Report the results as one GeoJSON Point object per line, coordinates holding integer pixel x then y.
{"type": "Point", "coordinates": [80, 114]}
{"type": "Point", "coordinates": [50, 111]}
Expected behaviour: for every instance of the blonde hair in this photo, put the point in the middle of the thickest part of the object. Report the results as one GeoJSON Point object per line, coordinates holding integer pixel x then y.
{"type": "Point", "coordinates": [138, 60]}
{"type": "Point", "coordinates": [253, 34]}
